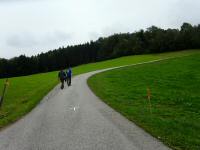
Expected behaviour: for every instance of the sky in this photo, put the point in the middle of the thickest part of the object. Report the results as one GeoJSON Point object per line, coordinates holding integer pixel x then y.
{"type": "Point", "coordinates": [33, 26]}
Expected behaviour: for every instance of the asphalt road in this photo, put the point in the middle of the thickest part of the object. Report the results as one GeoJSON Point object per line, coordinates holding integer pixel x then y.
{"type": "Point", "coordinates": [75, 119]}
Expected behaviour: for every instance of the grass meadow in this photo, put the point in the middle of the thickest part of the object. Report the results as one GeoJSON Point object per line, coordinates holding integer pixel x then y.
{"type": "Point", "coordinates": [173, 113]}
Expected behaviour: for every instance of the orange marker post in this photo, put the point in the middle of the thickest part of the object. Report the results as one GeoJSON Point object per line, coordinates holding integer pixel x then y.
{"type": "Point", "coordinates": [149, 99]}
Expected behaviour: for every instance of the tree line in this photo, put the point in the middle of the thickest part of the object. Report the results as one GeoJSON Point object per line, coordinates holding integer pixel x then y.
{"type": "Point", "coordinates": [151, 40]}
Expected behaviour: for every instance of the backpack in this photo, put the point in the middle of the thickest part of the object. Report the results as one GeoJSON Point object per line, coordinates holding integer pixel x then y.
{"type": "Point", "coordinates": [62, 75]}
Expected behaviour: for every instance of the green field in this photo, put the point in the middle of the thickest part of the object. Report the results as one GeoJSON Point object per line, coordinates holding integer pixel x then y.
{"type": "Point", "coordinates": [175, 98]}
{"type": "Point", "coordinates": [24, 93]}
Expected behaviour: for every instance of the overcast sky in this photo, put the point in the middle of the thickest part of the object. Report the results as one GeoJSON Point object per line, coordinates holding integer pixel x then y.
{"type": "Point", "coordinates": [33, 26]}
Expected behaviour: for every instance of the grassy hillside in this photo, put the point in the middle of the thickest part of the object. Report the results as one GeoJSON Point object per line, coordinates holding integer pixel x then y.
{"type": "Point", "coordinates": [25, 92]}
{"type": "Point", "coordinates": [175, 98]}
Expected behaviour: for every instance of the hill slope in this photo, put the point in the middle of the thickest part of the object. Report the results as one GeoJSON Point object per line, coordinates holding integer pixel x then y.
{"type": "Point", "coordinates": [174, 113]}
{"type": "Point", "coordinates": [24, 93]}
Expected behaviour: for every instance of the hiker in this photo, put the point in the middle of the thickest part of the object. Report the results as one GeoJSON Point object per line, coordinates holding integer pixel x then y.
{"type": "Point", "coordinates": [69, 76]}
{"type": "Point", "coordinates": [62, 77]}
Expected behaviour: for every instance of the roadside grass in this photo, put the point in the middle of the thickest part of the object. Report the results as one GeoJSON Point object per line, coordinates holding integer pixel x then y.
{"type": "Point", "coordinates": [175, 98]}
{"type": "Point", "coordinates": [24, 93]}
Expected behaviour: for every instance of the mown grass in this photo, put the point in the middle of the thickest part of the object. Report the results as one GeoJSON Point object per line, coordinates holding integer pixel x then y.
{"type": "Point", "coordinates": [175, 98]}
{"type": "Point", "coordinates": [24, 93]}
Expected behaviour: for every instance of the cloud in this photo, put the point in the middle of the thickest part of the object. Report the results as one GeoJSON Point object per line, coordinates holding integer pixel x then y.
{"type": "Point", "coordinates": [21, 40]}
{"type": "Point", "coordinates": [116, 28]}
{"type": "Point", "coordinates": [93, 35]}
{"type": "Point", "coordinates": [27, 39]}
{"type": "Point", "coordinates": [185, 11]}
{"type": "Point", "coordinates": [29, 43]}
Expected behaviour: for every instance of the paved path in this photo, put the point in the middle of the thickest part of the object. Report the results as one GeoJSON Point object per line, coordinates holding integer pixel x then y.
{"type": "Point", "coordinates": [75, 119]}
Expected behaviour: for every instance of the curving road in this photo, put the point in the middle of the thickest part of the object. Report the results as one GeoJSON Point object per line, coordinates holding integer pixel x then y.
{"type": "Point", "coordinates": [75, 119]}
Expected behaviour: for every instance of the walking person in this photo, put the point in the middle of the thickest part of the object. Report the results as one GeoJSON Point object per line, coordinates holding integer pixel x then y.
{"type": "Point", "coordinates": [69, 76]}
{"type": "Point", "coordinates": [62, 77]}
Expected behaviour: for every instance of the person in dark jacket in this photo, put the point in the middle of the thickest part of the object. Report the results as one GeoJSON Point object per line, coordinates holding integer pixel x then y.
{"type": "Point", "coordinates": [62, 77]}
{"type": "Point", "coordinates": [69, 76]}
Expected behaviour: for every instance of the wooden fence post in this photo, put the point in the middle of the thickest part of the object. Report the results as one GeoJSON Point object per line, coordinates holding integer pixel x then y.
{"type": "Point", "coordinates": [3, 93]}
